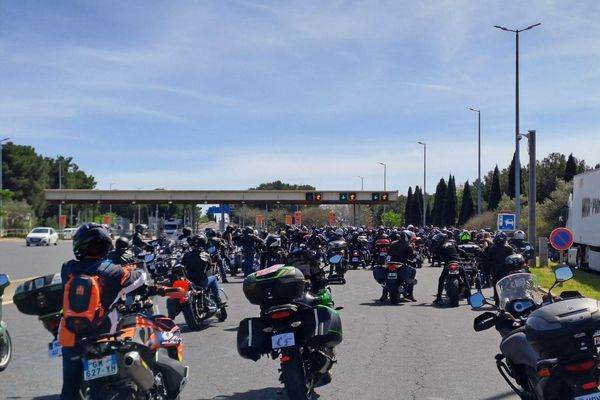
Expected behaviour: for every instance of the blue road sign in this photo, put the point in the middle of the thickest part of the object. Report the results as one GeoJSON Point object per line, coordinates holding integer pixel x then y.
{"type": "Point", "coordinates": [506, 222]}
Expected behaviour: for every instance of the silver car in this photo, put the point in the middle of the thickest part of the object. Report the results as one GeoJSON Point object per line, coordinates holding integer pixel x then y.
{"type": "Point", "coordinates": [42, 236]}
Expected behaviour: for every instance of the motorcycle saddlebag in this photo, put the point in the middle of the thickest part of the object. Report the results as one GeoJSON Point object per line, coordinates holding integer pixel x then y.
{"type": "Point", "coordinates": [565, 328]}
{"type": "Point", "coordinates": [40, 296]}
{"type": "Point", "coordinates": [380, 273]}
{"type": "Point", "coordinates": [322, 326]}
{"type": "Point", "coordinates": [274, 285]}
{"type": "Point", "coordinates": [252, 341]}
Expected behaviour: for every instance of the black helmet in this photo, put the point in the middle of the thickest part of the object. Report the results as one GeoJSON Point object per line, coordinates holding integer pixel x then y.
{"type": "Point", "coordinates": [199, 241]}
{"type": "Point", "coordinates": [515, 262]}
{"type": "Point", "coordinates": [394, 236]}
{"type": "Point", "coordinates": [210, 233]}
{"type": "Point", "coordinates": [500, 238]}
{"type": "Point", "coordinates": [122, 243]}
{"type": "Point", "coordinates": [187, 231]}
{"type": "Point", "coordinates": [140, 228]}
{"type": "Point", "coordinates": [91, 240]}
{"type": "Point", "coordinates": [273, 241]}
{"type": "Point", "coordinates": [249, 230]}
{"type": "Point", "coordinates": [229, 229]}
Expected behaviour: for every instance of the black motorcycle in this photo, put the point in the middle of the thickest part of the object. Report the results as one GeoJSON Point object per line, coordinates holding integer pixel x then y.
{"type": "Point", "coordinates": [549, 347]}
{"type": "Point", "coordinates": [457, 282]}
{"type": "Point", "coordinates": [5, 343]}
{"type": "Point", "coordinates": [395, 278]}
{"type": "Point", "coordinates": [337, 257]}
{"type": "Point", "coordinates": [294, 325]}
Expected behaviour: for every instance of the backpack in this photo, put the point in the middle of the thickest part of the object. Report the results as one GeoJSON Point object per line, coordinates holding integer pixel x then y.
{"type": "Point", "coordinates": [82, 307]}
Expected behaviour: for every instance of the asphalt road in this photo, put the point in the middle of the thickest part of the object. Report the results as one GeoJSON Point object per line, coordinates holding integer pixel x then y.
{"type": "Point", "coordinates": [407, 351]}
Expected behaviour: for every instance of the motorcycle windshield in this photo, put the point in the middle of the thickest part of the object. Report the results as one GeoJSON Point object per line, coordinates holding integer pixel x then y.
{"type": "Point", "coordinates": [518, 286]}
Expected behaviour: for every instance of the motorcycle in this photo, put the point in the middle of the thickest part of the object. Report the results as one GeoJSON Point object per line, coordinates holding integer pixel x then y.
{"type": "Point", "coordinates": [549, 347]}
{"type": "Point", "coordinates": [336, 255]}
{"type": "Point", "coordinates": [380, 251]}
{"type": "Point", "coordinates": [457, 282]}
{"type": "Point", "coordinates": [5, 342]}
{"type": "Point", "coordinates": [298, 328]}
{"type": "Point", "coordinates": [356, 259]}
{"type": "Point", "coordinates": [196, 303]}
{"type": "Point", "coordinates": [395, 278]}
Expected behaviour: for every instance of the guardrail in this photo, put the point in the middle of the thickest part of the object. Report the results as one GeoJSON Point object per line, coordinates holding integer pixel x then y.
{"type": "Point", "coordinates": [14, 233]}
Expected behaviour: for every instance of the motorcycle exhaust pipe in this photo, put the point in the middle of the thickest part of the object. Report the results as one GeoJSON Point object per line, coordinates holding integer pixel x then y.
{"type": "Point", "coordinates": [138, 371]}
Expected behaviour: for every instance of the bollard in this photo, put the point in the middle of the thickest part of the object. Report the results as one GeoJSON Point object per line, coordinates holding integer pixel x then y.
{"type": "Point", "coordinates": [543, 251]}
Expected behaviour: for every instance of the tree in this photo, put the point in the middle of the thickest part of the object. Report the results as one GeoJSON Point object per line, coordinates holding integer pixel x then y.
{"type": "Point", "coordinates": [467, 208]}
{"type": "Point", "coordinates": [510, 190]}
{"type": "Point", "coordinates": [278, 185]}
{"type": "Point", "coordinates": [416, 212]}
{"type": "Point", "coordinates": [570, 168]}
{"type": "Point", "coordinates": [449, 212]}
{"type": "Point", "coordinates": [408, 207]}
{"type": "Point", "coordinates": [428, 214]}
{"type": "Point", "coordinates": [391, 219]}
{"type": "Point", "coordinates": [438, 203]}
{"type": "Point", "coordinates": [496, 191]}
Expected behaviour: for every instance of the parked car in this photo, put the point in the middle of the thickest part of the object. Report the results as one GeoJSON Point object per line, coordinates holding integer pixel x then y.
{"type": "Point", "coordinates": [68, 233]}
{"type": "Point", "coordinates": [42, 236]}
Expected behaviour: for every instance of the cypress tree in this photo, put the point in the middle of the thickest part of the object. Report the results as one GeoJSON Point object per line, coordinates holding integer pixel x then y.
{"type": "Point", "coordinates": [496, 191]}
{"type": "Point", "coordinates": [417, 208]}
{"type": "Point", "coordinates": [408, 206]}
{"type": "Point", "coordinates": [449, 212]}
{"type": "Point", "coordinates": [428, 214]}
{"type": "Point", "coordinates": [570, 168]}
{"type": "Point", "coordinates": [467, 208]}
{"type": "Point", "coordinates": [510, 190]}
{"type": "Point", "coordinates": [438, 203]}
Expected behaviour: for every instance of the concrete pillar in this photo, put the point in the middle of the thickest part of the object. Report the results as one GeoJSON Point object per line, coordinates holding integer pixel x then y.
{"type": "Point", "coordinates": [543, 251]}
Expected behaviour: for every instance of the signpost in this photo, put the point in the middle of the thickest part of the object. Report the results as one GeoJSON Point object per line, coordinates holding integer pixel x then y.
{"type": "Point", "coordinates": [62, 221]}
{"type": "Point", "coordinates": [288, 219]}
{"type": "Point", "coordinates": [506, 222]}
{"type": "Point", "coordinates": [297, 217]}
{"type": "Point", "coordinates": [259, 220]}
{"type": "Point", "coordinates": [561, 239]}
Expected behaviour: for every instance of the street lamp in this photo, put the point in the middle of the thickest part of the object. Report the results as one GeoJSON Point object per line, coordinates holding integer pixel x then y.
{"type": "Point", "coordinates": [479, 157]}
{"type": "Point", "coordinates": [110, 204]}
{"type": "Point", "coordinates": [362, 183]}
{"type": "Point", "coordinates": [1, 217]}
{"type": "Point", "coordinates": [517, 137]}
{"type": "Point", "coordinates": [424, 182]}
{"type": "Point", "coordinates": [384, 175]}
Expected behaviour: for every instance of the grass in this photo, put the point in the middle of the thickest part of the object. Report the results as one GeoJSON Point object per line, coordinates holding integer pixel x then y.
{"type": "Point", "coordinates": [586, 283]}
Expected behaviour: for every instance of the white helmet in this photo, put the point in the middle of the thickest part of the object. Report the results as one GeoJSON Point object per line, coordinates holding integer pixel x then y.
{"type": "Point", "coordinates": [339, 232]}
{"type": "Point", "coordinates": [519, 235]}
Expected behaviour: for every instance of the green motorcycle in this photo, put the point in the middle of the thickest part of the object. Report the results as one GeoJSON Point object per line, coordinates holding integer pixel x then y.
{"type": "Point", "coordinates": [5, 343]}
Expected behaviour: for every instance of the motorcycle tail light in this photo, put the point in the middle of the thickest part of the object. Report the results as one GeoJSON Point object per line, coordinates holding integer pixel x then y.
{"type": "Point", "coordinates": [392, 267]}
{"type": "Point", "coordinates": [281, 315]}
{"type": "Point", "coordinates": [590, 385]}
{"type": "Point", "coordinates": [453, 266]}
{"type": "Point", "coordinates": [580, 367]}
{"type": "Point", "coordinates": [284, 359]}
{"type": "Point", "coordinates": [544, 373]}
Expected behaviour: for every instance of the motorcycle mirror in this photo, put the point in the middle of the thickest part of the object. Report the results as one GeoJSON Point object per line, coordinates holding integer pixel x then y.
{"type": "Point", "coordinates": [149, 258]}
{"type": "Point", "coordinates": [563, 273]}
{"type": "Point", "coordinates": [4, 281]}
{"type": "Point", "coordinates": [477, 300]}
{"type": "Point", "coordinates": [335, 259]}
{"type": "Point", "coordinates": [484, 321]}
{"type": "Point", "coordinates": [212, 250]}
{"type": "Point", "coordinates": [388, 258]}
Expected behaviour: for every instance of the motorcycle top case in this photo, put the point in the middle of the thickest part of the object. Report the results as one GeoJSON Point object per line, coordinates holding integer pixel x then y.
{"type": "Point", "coordinates": [322, 326]}
{"type": "Point", "coordinates": [380, 273]}
{"type": "Point", "coordinates": [40, 296]}
{"type": "Point", "coordinates": [337, 245]}
{"type": "Point", "coordinates": [382, 242]}
{"type": "Point", "coordinates": [274, 285]}
{"type": "Point", "coordinates": [565, 328]}
{"type": "Point", "coordinates": [252, 341]}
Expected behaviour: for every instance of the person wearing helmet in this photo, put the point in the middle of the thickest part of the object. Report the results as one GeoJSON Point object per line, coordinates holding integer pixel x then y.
{"type": "Point", "coordinates": [186, 234]}
{"type": "Point", "coordinates": [91, 244]}
{"type": "Point", "coordinates": [448, 252]}
{"type": "Point", "coordinates": [249, 243]}
{"type": "Point", "coordinates": [138, 242]}
{"type": "Point", "coordinates": [402, 251]}
{"type": "Point", "coordinates": [521, 245]}
{"type": "Point", "coordinates": [197, 262]}
{"type": "Point", "coordinates": [121, 254]}
{"type": "Point", "coordinates": [273, 253]}
{"type": "Point", "coordinates": [496, 259]}
{"type": "Point", "coordinates": [219, 255]}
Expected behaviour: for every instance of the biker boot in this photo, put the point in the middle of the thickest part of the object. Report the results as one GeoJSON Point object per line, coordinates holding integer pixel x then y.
{"type": "Point", "coordinates": [438, 299]}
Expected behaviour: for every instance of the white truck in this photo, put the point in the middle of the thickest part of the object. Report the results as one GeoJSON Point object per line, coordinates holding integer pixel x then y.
{"type": "Point", "coordinates": [173, 228]}
{"type": "Point", "coordinates": [584, 221]}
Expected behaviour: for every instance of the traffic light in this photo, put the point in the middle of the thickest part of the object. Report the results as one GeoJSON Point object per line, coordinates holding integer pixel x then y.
{"type": "Point", "coordinates": [310, 196]}
{"type": "Point", "coordinates": [375, 196]}
{"type": "Point", "coordinates": [318, 196]}
{"type": "Point", "coordinates": [343, 196]}
{"type": "Point", "coordinates": [352, 196]}
{"type": "Point", "coordinates": [385, 197]}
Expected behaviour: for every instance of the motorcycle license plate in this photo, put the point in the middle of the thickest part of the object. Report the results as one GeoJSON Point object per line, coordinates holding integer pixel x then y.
{"type": "Point", "coordinates": [54, 349]}
{"type": "Point", "coordinates": [354, 259]}
{"type": "Point", "coordinates": [392, 275]}
{"type": "Point", "coordinates": [383, 254]}
{"type": "Point", "coordinates": [100, 367]}
{"type": "Point", "coordinates": [453, 272]}
{"type": "Point", "coordinates": [591, 396]}
{"type": "Point", "coordinates": [283, 340]}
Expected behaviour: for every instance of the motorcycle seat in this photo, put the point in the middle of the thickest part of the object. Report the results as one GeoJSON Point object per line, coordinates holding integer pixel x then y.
{"type": "Point", "coordinates": [309, 299]}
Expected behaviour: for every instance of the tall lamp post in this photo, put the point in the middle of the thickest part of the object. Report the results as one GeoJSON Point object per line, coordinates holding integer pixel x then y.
{"type": "Point", "coordinates": [362, 183]}
{"type": "Point", "coordinates": [424, 181]}
{"type": "Point", "coordinates": [384, 181]}
{"type": "Point", "coordinates": [1, 209]}
{"type": "Point", "coordinates": [478, 157]}
{"type": "Point", "coordinates": [517, 137]}
{"type": "Point", "coordinates": [110, 204]}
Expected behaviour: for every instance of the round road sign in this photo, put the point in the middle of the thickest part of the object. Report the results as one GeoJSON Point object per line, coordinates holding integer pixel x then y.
{"type": "Point", "coordinates": [561, 239]}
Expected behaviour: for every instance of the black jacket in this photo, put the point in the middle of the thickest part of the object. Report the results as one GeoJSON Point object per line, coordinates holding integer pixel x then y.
{"type": "Point", "coordinates": [401, 252]}
{"type": "Point", "coordinates": [496, 259]}
{"type": "Point", "coordinates": [250, 242]}
{"type": "Point", "coordinates": [196, 263]}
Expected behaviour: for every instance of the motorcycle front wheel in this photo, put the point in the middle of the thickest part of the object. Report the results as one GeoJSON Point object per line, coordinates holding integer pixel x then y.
{"type": "Point", "coordinates": [5, 350]}
{"type": "Point", "coordinates": [293, 377]}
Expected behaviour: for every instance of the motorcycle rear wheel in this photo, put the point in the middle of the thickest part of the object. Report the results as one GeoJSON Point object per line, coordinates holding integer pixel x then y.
{"type": "Point", "coordinates": [294, 379]}
{"type": "Point", "coordinates": [5, 351]}
{"type": "Point", "coordinates": [454, 292]}
{"type": "Point", "coordinates": [102, 393]}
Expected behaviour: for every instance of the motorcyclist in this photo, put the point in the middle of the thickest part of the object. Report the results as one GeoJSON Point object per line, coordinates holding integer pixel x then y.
{"type": "Point", "coordinates": [402, 251]}
{"type": "Point", "coordinates": [249, 243]}
{"type": "Point", "coordinates": [447, 253]}
{"type": "Point", "coordinates": [521, 245]}
{"type": "Point", "coordinates": [138, 242]}
{"type": "Point", "coordinates": [219, 244]}
{"type": "Point", "coordinates": [121, 254]}
{"type": "Point", "coordinates": [91, 244]}
{"type": "Point", "coordinates": [197, 262]}
{"type": "Point", "coordinates": [315, 241]}
{"type": "Point", "coordinates": [186, 234]}
{"type": "Point", "coordinates": [496, 259]}
{"type": "Point", "coordinates": [273, 253]}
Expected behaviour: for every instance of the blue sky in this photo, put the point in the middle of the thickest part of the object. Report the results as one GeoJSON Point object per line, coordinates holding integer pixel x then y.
{"type": "Point", "coordinates": [228, 94]}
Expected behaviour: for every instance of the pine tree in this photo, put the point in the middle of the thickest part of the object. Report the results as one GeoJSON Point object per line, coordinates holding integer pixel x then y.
{"type": "Point", "coordinates": [510, 190]}
{"type": "Point", "coordinates": [438, 203]}
{"type": "Point", "coordinates": [467, 209]}
{"type": "Point", "coordinates": [496, 191]}
{"type": "Point", "coordinates": [417, 207]}
{"type": "Point", "coordinates": [571, 168]}
{"type": "Point", "coordinates": [408, 206]}
{"type": "Point", "coordinates": [449, 212]}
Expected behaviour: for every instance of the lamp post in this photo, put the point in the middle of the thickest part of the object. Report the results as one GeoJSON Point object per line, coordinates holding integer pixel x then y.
{"type": "Point", "coordinates": [384, 182]}
{"type": "Point", "coordinates": [60, 187]}
{"type": "Point", "coordinates": [110, 204]}
{"type": "Point", "coordinates": [478, 157]}
{"type": "Point", "coordinates": [362, 183]}
{"type": "Point", "coordinates": [517, 137]}
{"type": "Point", "coordinates": [1, 209]}
{"type": "Point", "coordinates": [424, 181]}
